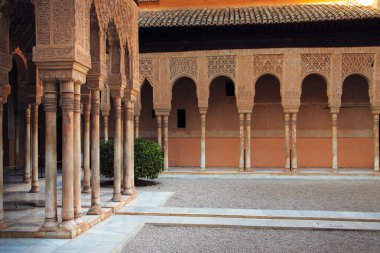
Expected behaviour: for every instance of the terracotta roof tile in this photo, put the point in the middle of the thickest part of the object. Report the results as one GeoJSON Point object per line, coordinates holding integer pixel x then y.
{"type": "Point", "coordinates": [256, 15]}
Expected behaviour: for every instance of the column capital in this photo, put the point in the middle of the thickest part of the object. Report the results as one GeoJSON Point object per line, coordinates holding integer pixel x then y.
{"type": "Point", "coordinates": [64, 75]}
{"type": "Point", "coordinates": [162, 112]}
{"type": "Point", "coordinates": [203, 110]}
{"type": "Point", "coordinates": [334, 109]}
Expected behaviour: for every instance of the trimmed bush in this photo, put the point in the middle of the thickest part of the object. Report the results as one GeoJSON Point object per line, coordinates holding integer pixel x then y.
{"type": "Point", "coordinates": [106, 158]}
{"type": "Point", "coordinates": [149, 160]}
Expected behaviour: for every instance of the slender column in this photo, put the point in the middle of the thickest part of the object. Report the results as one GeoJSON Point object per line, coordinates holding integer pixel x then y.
{"type": "Point", "coordinates": [294, 142]}
{"type": "Point", "coordinates": [117, 150]}
{"type": "Point", "coordinates": [67, 95]}
{"type": "Point", "coordinates": [132, 150]}
{"type": "Point", "coordinates": [35, 183]}
{"type": "Point", "coordinates": [95, 154]}
{"type": "Point", "coordinates": [86, 149]}
{"type": "Point", "coordinates": [127, 181]}
{"type": "Point", "coordinates": [334, 142]}
{"type": "Point", "coordinates": [376, 142]}
{"type": "Point", "coordinates": [241, 163]}
{"type": "Point", "coordinates": [287, 142]}
{"type": "Point", "coordinates": [50, 106]}
{"type": "Point", "coordinates": [203, 141]}
{"type": "Point", "coordinates": [105, 121]}
{"type": "Point", "coordinates": [122, 147]}
{"type": "Point", "coordinates": [77, 156]}
{"type": "Point", "coordinates": [159, 130]}
{"type": "Point", "coordinates": [248, 141]}
{"type": "Point", "coordinates": [137, 126]}
{"type": "Point", "coordinates": [166, 142]}
{"type": "Point", "coordinates": [28, 162]}
{"type": "Point", "coordinates": [1, 162]}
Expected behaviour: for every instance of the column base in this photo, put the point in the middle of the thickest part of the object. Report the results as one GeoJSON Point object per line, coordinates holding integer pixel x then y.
{"type": "Point", "coordinates": [50, 225]}
{"type": "Point", "coordinates": [67, 224]}
{"type": "Point", "coordinates": [78, 220]}
{"type": "Point", "coordinates": [127, 191]}
{"type": "Point", "coordinates": [334, 171]}
{"type": "Point", "coordinates": [86, 189]}
{"type": "Point", "coordinates": [376, 169]}
{"type": "Point", "coordinates": [294, 170]}
{"type": "Point", "coordinates": [241, 169]}
{"type": "Point", "coordinates": [35, 189]}
{"type": "Point", "coordinates": [287, 170]}
{"type": "Point", "coordinates": [27, 180]}
{"type": "Point", "coordinates": [95, 210]}
{"type": "Point", "coordinates": [2, 224]}
{"type": "Point", "coordinates": [117, 198]}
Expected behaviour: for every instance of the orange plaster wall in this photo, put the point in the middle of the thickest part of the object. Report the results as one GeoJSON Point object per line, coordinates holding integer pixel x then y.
{"type": "Point", "coordinates": [314, 152]}
{"type": "Point", "coordinates": [267, 152]}
{"type": "Point", "coordinates": [355, 152]}
{"type": "Point", "coordinates": [222, 152]}
{"type": "Point", "coordinates": [184, 152]}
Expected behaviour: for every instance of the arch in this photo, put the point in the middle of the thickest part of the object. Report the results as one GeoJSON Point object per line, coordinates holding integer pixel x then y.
{"type": "Point", "coordinates": [21, 62]}
{"type": "Point", "coordinates": [268, 75]}
{"type": "Point", "coordinates": [178, 78]}
{"type": "Point", "coordinates": [277, 76]}
{"type": "Point", "coordinates": [113, 41]}
{"type": "Point", "coordinates": [319, 75]}
{"type": "Point", "coordinates": [225, 75]}
{"type": "Point", "coordinates": [364, 77]}
{"type": "Point", "coordinates": [228, 77]}
{"type": "Point", "coordinates": [148, 124]}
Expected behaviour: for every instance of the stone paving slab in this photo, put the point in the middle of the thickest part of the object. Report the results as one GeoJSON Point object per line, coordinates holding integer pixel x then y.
{"type": "Point", "coordinates": [250, 213]}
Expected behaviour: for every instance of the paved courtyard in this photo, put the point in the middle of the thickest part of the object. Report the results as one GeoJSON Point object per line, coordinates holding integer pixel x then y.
{"type": "Point", "coordinates": [234, 213]}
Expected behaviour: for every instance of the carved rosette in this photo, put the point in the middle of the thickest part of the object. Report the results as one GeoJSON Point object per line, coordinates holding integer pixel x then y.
{"type": "Point", "coordinates": [183, 66]}
{"type": "Point", "coordinates": [358, 64]}
{"type": "Point", "coordinates": [315, 64]}
{"type": "Point", "coordinates": [268, 64]}
{"type": "Point", "coordinates": [222, 65]}
{"type": "Point", "coordinates": [146, 70]}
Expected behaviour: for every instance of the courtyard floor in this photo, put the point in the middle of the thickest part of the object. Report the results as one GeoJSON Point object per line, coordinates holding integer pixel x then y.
{"type": "Point", "coordinates": [234, 213]}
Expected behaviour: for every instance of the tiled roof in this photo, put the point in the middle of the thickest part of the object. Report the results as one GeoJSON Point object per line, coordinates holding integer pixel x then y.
{"type": "Point", "coordinates": [258, 15]}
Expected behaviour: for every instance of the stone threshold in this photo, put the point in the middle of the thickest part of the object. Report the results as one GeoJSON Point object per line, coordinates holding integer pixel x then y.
{"type": "Point", "coordinates": [252, 213]}
{"type": "Point", "coordinates": [89, 221]}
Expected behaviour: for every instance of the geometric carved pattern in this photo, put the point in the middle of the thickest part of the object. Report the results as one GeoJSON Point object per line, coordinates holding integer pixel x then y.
{"type": "Point", "coordinates": [358, 63]}
{"type": "Point", "coordinates": [183, 66]}
{"type": "Point", "coordinates": [315, 63]}
{"type": "Point", "coordinates": [267, 63]}
{"type": "Point", "coordinates": [222, 65]}
{"type": "Point", "coordinates": [146, 70]}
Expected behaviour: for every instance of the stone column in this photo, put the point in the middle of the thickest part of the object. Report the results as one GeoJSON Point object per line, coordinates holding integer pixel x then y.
{"type": "Point", "coordinates": [166, 142]}
{"type": "Point", "coordinates": [137, 126]}
{"type": "Point", "coordinates": [95, 154]}
{"type": "Point", "coordinates": [35, 183]}
{"type": "Point", "coordinates": [287, 142]}
{"type": "Point", "coordinates": [294, 142]}
{"type": "Point", "coordinates": [122, 146]}
{"type": "Point", "coordinates": [334, 142]}
{"type": "Point", "coordinates": [86, 148]}
{"type": "Point", "coordinates": [1, 162]}
{"type": "Point", "coordinates": [105, 123]}
{"type": "Point", "coordinates": [117, 150]}
{"type": "Point", "coordinates": [203, 141]}
{"type": "Point", "coordinates": [132, 150]}
{"type": "Point", "coordinates": [241, 120]}
{"type": "Point", "coordinates": [28, 161]}
{"type": "Point", "coordinates": [159, 130]}
{"type": "Point", "coordinates": [50, 106]}
{"type": "Point", "coordinates": [248, 141]}
{"type": "Point", "coordinates": [77, 155]}
{"type": "Point", "coordinates": [376, 142]}
{"type": "Point", "coordinates": [67, 95]}
{"type": "Point", "coordinates": [128, 142]}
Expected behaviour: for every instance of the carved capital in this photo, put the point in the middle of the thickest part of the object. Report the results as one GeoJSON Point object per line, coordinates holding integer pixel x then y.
{"type": "Point", "coordinates": [50, 96]}
{"type": "Point", "coordinates": [64, 75]}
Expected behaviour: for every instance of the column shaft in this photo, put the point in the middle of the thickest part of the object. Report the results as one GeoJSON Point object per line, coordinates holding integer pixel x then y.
{"type": "Point", "coordinates": [203, 141]}
{"type": "Point", "coordinates": [117, 150]}
{"type": "Point", "coordinates": [166, 142]}
{"type": "Point", "coordinates": [334, 141]}
{"type": "Point", "coordinates": [1, 163]}
{"type": "Point", "coordinates": [77, 155]}
{"type": "Point", "coordinates": [67, 95]}
{"type": "Point", "coordinates": [105, 121]}
{"type": "Point", "coordinates": [241, 161]}
{"type": "Point", "coordinates": [159, 130]}
{"type": "Point", "coordinates": [248, 141]}
{"type": "Point", "coordinates": [294, 142]}
{"type": "Point", "coordinates": [35, 183]}
{"type": "Point", "coordinates": [287, 142]}
{"type": "Point", "coordinates": [86, 149]}
{"type": "Point", "coordinates": [50, 106]}
{"type": "Point", "coordinates": [137, 126]}
{"type": "Point", "coordinates": [28, 161]}
{"type": "Point", "coordinates": [132, 150]}
{"type": "Point", "coordinates": [376, 142]}
{"type": "Point", "coordinates": [95, 154]}
{"type": "Point", "coordinates": [127, 181]}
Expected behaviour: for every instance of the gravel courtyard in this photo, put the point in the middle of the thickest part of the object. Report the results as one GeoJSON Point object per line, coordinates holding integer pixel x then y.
{"type": "Point", "coordinates": [280, 194]}
{"type": "Point", "coordinates": [195, 239]}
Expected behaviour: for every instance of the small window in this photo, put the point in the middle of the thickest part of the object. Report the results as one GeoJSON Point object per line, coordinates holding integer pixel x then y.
{"type": "Point", "coordinates": [181, 118]}
{"type": "Point", "coordinates": [153, 114]}
{"type": "Point", "coordinates": [230, 88]}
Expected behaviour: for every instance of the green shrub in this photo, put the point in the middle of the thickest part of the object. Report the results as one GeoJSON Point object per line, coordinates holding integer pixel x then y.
{"type": "Point", "coordinates": [106, 158]}
{"type": "Point", "coordinates": [149, 159]}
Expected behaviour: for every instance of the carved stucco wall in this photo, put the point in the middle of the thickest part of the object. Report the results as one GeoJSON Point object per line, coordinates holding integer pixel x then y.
{"type": "Point", "coordinates": [289, 65]}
